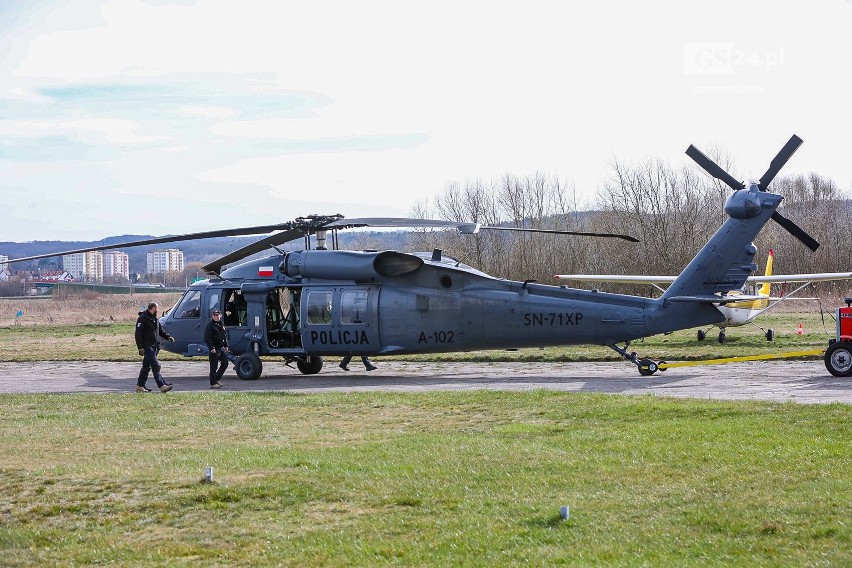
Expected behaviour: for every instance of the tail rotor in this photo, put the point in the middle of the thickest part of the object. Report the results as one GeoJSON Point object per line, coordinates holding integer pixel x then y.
{"type": "Point", "coordinates": [775, 166]}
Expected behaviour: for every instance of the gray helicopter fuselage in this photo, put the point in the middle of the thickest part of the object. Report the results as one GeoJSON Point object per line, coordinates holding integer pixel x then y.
{"type": "Point", "coordinates": [405, 303]}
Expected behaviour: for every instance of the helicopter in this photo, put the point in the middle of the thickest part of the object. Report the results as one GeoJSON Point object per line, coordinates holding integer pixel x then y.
{"type": "Point", "coordinates": [304, 305]}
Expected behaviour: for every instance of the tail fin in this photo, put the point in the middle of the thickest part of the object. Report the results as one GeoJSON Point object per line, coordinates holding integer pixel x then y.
{"type": "Point", "coordinates": [727, 260]}
{"type": "Point", "coordinates": [764, 290]}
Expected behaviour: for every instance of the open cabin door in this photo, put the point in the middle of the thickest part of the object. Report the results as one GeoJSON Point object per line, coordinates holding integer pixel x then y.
{"type": "Point", "coordinates": [283, 320]}
{"type": "Point", "coordinates": [340, 319]}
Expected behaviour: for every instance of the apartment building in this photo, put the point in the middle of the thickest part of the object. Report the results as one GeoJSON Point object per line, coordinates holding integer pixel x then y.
{"type": "Point", "coordinates": [116, 263]}
{"type": "Point", "coordinates": [85, 266]}
{"type": "Point", "coordinates": [169, 260]}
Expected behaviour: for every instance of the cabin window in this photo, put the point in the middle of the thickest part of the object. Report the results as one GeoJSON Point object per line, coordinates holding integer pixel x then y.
{"type": "Point", "coordinates": [353, 307]}
{"type": "Point", "coordinates": [189, 306]}
{"type": "Point", "coordinates": [319, 307]}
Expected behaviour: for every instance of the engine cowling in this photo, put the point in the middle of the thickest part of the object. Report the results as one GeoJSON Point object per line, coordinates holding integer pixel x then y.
{"type": "Point", "coordinates": [349, 265]}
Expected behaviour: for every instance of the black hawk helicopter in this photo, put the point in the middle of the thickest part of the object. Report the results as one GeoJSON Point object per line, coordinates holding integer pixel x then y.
{"type": "Point", "coordinates": [306, 304]}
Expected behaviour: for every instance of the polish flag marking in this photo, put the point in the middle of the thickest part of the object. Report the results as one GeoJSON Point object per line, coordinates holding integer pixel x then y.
{"type": "Point", "coordinates": [264, 271]}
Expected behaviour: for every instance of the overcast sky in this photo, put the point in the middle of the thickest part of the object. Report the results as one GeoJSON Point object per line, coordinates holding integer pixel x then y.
{"type": "Point", "coordinates": [158, 116]}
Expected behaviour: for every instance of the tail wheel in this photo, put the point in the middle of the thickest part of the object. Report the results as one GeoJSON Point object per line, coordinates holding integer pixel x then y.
{"type": "Point", "coordinates": [838, 359]}
{"type": "Point", "coordinates": [700, 335]}
{"type": "Point", "coordinates": [310, 365]}
{"type": "Point", "coordinates": [647, 367]}
{"type": "Point", "coordinates": [248, 366]}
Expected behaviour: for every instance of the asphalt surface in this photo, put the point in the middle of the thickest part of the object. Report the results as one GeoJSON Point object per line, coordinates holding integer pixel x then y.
{"type": "Point", "coordinates": [799, 381]}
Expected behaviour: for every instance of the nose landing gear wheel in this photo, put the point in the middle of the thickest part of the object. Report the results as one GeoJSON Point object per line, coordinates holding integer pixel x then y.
{"type": "Point", "coordinates": [722, 336]}
{"type": "Point", "coordinates": [770, 335]}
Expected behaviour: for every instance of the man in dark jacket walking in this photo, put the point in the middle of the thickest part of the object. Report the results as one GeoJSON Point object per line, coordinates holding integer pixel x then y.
{"type": "Point", "coordinates": [216, 339]}
{"type": "Point", "coordinates": [148, 334]}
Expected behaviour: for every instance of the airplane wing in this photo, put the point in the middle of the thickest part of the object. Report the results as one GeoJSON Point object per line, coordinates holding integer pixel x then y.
{"type": "Point", "coordinates": [815, 277]}
{"type": "Point", "coordinates": [714, 299]}
{"type": "Point", "coordinates": [638, 279]}
{"type": "Point", "coordinates": [617, 278]}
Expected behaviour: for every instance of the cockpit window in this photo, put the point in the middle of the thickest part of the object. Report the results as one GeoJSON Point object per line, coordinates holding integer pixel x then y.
{"type": "Point", "coordinates": [213, 302]}
{"type": "Point", "coordinates": [319, 307]}
{"type": "Point", "coordinates": [189, 306]}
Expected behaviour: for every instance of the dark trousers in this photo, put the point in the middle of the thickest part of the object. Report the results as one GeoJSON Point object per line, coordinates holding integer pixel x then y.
{"type": "Point", "coordinates": [150, 363]}
{"type": "Point", "coordinates": [220, 360]}
{"type": "Point", "coordinates": [345, 361]}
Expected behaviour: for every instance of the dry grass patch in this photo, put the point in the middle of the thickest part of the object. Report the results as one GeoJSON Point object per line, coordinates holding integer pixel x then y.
{"type": "Point", "coordinates": [80, 309]}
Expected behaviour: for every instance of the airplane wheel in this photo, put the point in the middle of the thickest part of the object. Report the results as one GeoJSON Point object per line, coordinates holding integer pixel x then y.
{"type": "Point", "coordinates": [721, 337]}
{"type": "Point", "coordinates": [661, 368]}
{"type": "Point", "coordinates": [701, 335]}
{"type": "Point", "coordinates": [770, 335]}
{"type": "Point", "coordinates": [310, 366]}
{"type": "Point", "coordinates": [248, 366]}
{"type": "Point", "coordinates": [838, 359]}
{"type": "Point", "coordinates": [647, 367]}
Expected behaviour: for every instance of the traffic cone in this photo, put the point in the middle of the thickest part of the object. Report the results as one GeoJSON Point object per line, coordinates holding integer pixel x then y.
{"type": "Point", "coordinates": [800, 331]}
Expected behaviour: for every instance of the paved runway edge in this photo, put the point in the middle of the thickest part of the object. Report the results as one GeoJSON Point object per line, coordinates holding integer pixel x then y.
{"type": "Point", "coordinates": [797, 381]}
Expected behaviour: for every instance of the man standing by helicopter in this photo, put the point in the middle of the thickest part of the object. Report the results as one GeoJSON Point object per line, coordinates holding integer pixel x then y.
{"type": "Point", "coordinates": [148, 334]}
{"type": "Point", "coordinates": [216, 339]}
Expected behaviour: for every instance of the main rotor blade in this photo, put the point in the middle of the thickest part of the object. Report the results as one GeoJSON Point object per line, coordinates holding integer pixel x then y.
{"type": "Point", "coordinates": [259, 246]}
{"type": "Point", "coordinates": [779, 160]}
{"type": "Point", "coordinates": [161, 240]}
{"type": "Point", "coordinates": [402, 222]}
{"type": "Point", "coordinates": [796, 231]}
{"type": "Point", "coordinates": [557, 232]}
{"type": "Point", "coordinates": [713, 168]}
{"type": "Point", "coordinates": [463, 227]}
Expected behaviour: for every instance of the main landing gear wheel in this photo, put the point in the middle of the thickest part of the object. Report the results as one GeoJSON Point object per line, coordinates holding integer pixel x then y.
{"type": "Point", "coordinates": [248, 366]}
{"type": "Point", "coordinates": [838, 359]}
{"type": "Point", "coordinates": [701, 335]}
{"type": "Point", "coordinates": [647, 367]}
{"type": "Point", "coordinates": [310, 365]}
{"type": "Point", "coordinates": [770, 335]}
{"type": "Point", "coordinates": [722, 336]}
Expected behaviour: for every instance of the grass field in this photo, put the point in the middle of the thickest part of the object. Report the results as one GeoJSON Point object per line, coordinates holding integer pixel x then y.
{"type": "Point", "coordinates": [114, 342]}
{"type": "Point", "coordinates": [471, 478]}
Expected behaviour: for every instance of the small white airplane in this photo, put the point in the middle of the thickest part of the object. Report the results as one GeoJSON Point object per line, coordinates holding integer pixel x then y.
{"type": "Point", "coordinates": [738, 307]}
